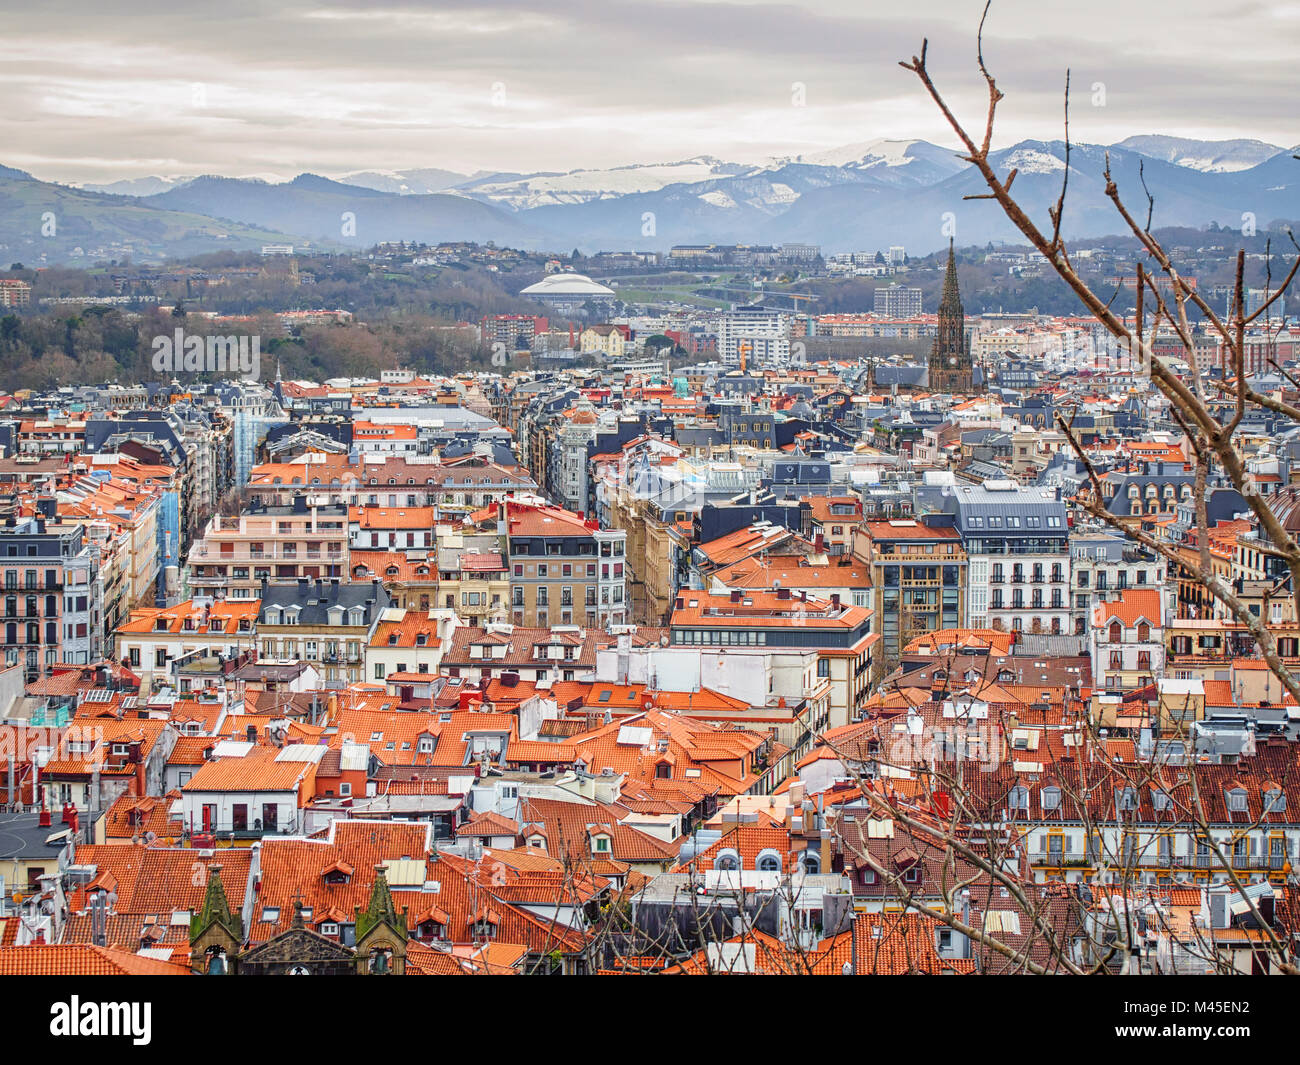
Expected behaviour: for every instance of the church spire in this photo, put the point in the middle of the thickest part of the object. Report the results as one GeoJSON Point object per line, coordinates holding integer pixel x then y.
{"type": "Point", "coordinates": [381, 908]}
{"type": "Point", "coordinates": [951, 299]}
{"type": "Point", "coordinates": [950, 367]}
{"type": "Point", "coordinates": [216, 908]}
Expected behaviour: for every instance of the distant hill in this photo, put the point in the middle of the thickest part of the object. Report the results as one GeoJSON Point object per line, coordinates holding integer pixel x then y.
{"type": "Point", "coordinates": [316, 207]}
{"type": "Point", "coordinates": [44, 223]}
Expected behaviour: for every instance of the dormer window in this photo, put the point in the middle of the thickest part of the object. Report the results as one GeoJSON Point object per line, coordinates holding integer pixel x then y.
{"type": "Point", "coordinates": [1274, 801]}
{"type": "Point", "coordinates": [1237, 800]}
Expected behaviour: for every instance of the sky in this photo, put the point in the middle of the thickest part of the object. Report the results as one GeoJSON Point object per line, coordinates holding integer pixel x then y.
{"type": "Point", "coordinates": [97, 91]}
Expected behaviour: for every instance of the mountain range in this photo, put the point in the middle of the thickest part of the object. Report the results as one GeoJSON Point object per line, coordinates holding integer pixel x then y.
{"type": "Point", "coordinates": [859, 197]}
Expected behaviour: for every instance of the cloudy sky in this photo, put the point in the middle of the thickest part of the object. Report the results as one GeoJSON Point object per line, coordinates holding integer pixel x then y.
{"type": "Point", "coordinates": [97, 90]}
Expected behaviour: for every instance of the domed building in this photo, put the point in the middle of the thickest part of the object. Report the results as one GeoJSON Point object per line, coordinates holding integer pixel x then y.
{"type": "Point", "coordinates": [567, 292]}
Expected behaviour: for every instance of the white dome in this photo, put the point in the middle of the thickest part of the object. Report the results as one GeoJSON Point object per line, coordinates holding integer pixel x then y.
{"type": "Point", "coordinates": [566, 284]}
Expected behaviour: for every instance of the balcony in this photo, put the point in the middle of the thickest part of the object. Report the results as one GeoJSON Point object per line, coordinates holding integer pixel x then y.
{"type": "Point", "coordinates": [254, 831]}
{"type": "Point", "coordinates": [1058, 858]}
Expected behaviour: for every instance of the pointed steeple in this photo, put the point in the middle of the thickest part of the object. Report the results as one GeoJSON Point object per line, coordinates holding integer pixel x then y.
{"type": "Point", "coordinates": [951, 299]}
{"type": "Point", "coordinates": [216, 909]}
{"type": "Point", "coordinates": [380, 909]}
{"type": "Point", "coordinates": [950, 367]}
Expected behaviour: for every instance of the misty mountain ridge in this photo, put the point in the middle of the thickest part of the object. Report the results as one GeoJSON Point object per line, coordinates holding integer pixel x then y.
{"type": "Point", "coordinates": [861, 196]}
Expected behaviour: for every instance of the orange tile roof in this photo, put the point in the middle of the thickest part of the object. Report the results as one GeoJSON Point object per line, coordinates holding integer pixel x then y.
{"type": "Point", "coordinates": [1131, 606]}
{"type": "Point", "coordinates": [82, 960]}
{"type": "Point", "coordinates": [158, 880]}
{"type": "Point", "coordinates": [392, 517]}
{"type": "Point", "coordinates": [258, 770]}
{"type": "Point", "coordinates": [226, 614]}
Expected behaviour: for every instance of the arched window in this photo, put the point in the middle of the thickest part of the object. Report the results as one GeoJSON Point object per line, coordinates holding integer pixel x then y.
{"type": "Point", "coordinates": [728, 860]}
{"type": "Point", "coordinates": [1144, 632]}
{"type": "Point", "coordinates": [812, 862]}
{"type": "Point", "coordinates": [1116, 632]}
{"type": "Point", "coordinates": [768, 862]}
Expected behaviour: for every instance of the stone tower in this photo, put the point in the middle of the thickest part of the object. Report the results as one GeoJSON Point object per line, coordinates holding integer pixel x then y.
{"type": "Point", "coordinates": [216, 931]}
{"type": "Point", "coordinates": [951, 369]}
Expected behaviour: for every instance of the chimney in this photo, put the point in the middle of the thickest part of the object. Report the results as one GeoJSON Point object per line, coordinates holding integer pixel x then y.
{"type": "Point", "coordinates": [251, 733]}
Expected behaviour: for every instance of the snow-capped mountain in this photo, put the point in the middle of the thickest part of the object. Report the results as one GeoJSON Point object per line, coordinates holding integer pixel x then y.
{"type": "Point", "coordinates": [145, 186]}
{"type": "Point", "coordinates": [406, 182]}
{"type": "Point", "coordinates": [892, 161]}
{"type": "Point", "coordinates": [1211, 157]}
{"type": "Point", "coordinates": [526, 191]}
{"type": "Point", "coordinates": [860, 196]}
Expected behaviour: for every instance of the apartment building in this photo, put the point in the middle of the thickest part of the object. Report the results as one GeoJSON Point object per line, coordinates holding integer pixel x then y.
{"type": "Point", "coordinates": [302, 540]}
{"type": "Point", "coordinates": [390, 482]}
{"type": "Point", "coordinates": [564, 570]}
{"type": "Point", "coordinates": [918, 579]}
{"type": "Point", "coordinates": [52, 608]}
{"type": "Point", "coordinates": [1016, 542]}
{"type": "Point", "coordinates": [408, 643]}
{"type": "Point", "coordinates": [839, 633]}
{"type": "Point", "coordinates": [759, 335]}
{"type": "Point", "coordinates": [152, 640]}
{"type": "Point", "coordinates": [1127, 640]}
{"type": "Point", "coordinates": [373, 528]}
{"type": "Point", "coordinates": [325, 623]}
{"type": "Point", "coordinates": [1102, 564]}
{"type": "Point", "coordinates": [15, 293]}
